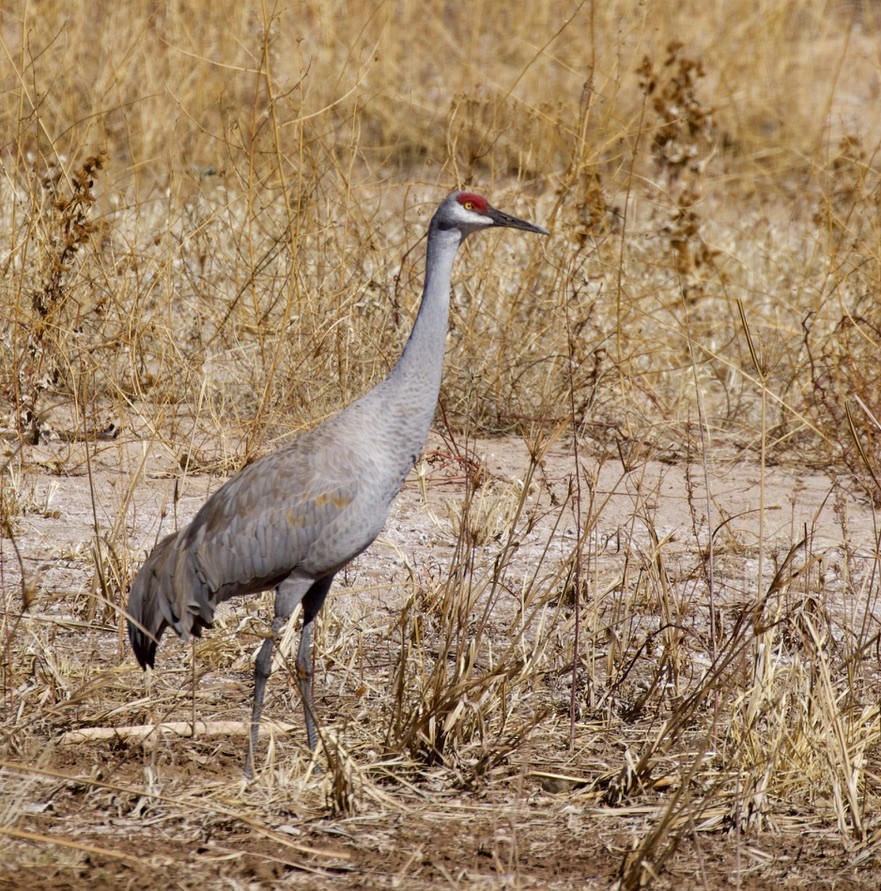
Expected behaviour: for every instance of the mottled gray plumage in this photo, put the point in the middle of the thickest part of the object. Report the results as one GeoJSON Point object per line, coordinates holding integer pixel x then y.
{"type": "Point", "coordinates": [291, 520]}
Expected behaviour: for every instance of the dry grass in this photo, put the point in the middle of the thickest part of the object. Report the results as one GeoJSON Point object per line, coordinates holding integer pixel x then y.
{"type": "Point", "coordinates": [635, 636]}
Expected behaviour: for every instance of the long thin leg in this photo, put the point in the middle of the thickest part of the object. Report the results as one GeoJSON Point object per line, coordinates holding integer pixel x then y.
{"type": "Point", "coordinates": [262, 670]}
{"type": "Point", "coordinates": [312, 603]}
{"type": "Point", "coordinates": [287, 595]}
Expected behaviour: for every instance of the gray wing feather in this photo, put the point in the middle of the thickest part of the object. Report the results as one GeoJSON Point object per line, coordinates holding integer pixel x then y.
{"type": "Point", "coordinates": [251, 534]}
{"type": "Point", "coordinates": [265, 522]}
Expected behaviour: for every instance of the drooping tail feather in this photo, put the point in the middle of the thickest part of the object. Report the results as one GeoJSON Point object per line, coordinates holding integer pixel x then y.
{"type": "Point", "coordinates": [166, 592]}
{"type": "Point", "coordinates": [143, 644]}
{"type": "Point", "coordinates": [146, 621]}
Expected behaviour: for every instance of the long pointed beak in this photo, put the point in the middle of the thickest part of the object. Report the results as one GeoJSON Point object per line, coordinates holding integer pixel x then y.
{"type": "Point", "coordinates": [500, 218]}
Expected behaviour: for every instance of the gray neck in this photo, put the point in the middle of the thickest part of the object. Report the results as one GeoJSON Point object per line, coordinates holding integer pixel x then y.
{"type": "Point", "coordinates": [409, 394]}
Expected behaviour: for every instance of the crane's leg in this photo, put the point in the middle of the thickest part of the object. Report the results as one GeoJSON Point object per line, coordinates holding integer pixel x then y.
{"type": "Point", "coordinates": [287, 595]}
{"type": "Point", "coordinates": [312, 603]}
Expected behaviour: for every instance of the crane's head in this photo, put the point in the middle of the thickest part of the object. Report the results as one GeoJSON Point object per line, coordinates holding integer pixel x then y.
{"type": "Point", "coordinates": [469, 212]}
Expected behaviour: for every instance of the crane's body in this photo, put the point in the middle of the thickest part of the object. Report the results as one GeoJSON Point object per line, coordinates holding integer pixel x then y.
{"type": "Point", "coordinates": [292, 519]}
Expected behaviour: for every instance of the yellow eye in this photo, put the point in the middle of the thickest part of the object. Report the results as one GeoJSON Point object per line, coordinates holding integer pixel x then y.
{"type": "Point", "coordinates": [468, 205]}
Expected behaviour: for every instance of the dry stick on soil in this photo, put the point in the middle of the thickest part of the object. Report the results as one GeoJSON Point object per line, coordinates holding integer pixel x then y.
{"type": "Point", "coordinates": [141, 732]}
{"type": "Point", "coordinates": [67, 843]}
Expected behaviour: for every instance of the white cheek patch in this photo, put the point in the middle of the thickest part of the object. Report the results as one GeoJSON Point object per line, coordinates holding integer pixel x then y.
{"type": "Point", "coordinates": [472, 218]}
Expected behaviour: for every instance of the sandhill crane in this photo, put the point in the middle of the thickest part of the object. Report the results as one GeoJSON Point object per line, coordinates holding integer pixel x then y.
{"type": "Point", "coordinates": [293, 519]}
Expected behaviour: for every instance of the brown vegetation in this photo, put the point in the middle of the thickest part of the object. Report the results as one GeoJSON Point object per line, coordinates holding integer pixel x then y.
{"type": "Point", "coordinates": [623, 625]}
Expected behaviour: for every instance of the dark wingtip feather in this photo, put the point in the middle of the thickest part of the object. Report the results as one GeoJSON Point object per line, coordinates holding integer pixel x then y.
{"type": "Point", "coordinates": [143, 646]}
{"type": "Point", "coordinates": [166, 592]}
{"type": "Point", "coordinates": [145, 612]}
